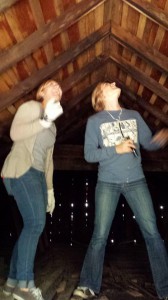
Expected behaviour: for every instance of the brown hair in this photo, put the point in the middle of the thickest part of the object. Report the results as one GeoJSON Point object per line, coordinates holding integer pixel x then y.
{"type": "Point", "coordinates": [39, 95]}
{"type": "Point", "coordinates": [98, 98]}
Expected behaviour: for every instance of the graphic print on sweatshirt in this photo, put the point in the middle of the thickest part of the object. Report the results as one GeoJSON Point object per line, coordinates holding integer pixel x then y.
{"type": "Point", "coordinates": [113, 133]}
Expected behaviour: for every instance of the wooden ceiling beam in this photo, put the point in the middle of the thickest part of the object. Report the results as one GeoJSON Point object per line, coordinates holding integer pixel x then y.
{"type": "Point", "coordinates": [75, 121]}
{"type": "Point", "coordinates": [5, 4]}
{"type": "Point", "coordinates": [30, 83]}
{"type": "Point", "coordinates": [76, 124]}
{"type": "Point", "coordinates": [152, 12]}
{"type": "Point", "coordinates": [158, 114]}
{"type": "Point", "coordinates": [85, 71]}
{"type": "Point", "coordinates": [149, 54]}
{"type": "Point", "coordinates": [70, 106]}
{"type": "Point", "coordinates": [9, 57]}
{"type": "Point", "coordinates": [139, 76]}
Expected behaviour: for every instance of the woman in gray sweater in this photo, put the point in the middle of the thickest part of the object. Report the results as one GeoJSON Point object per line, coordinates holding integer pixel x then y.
{"type": "Point", "coordinates": [28, 176]}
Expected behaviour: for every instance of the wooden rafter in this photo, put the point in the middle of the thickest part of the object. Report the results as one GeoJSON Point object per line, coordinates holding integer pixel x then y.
{"type": "Point", "coordinates": [34, 80]}
{"type": "Point", "coordinates": [4, 4]}
{"type": "Point", "coordinates": [154, 111]}
{"type": "Point", "coordinates": [158, 114]}
{"type": "Point", "coordinates": [154, 13]}
{"type": "Point", "coordinates": [40, 37]}
{"type": "Point", "coordinates": [149, 54]}
{"type": "Point", "coordinates": [139, 76]}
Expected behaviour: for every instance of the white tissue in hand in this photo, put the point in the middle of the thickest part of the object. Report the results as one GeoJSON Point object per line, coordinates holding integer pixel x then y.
{"type": "Point", "coordinates": [53, 110]}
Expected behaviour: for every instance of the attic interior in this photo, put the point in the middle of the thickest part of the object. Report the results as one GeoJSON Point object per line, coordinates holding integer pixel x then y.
{"type": "Point", "coordinates": [80, 43]}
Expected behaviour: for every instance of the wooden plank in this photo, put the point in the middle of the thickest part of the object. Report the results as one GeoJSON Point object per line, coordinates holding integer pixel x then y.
{"type": "Point", "coordinates": [150, 83]}
{"type": "Point", "coordinates": [108, 13]}
{"type": "Point", "coordinates": [74, 124]}
{"type": "Point", "coordinates": [65, 123]}
{"type": "Point", "coordinates": [38, 38]}
{"type": "Point", "coordinates": [130, 96]}
{"type": "Point", "coordinates": [150, 54]}
{"type": "Point", "coordinates": [39, 20]}
{"type": "Point", "coordinates": [70, 105]}
{"type": "Point", "coordinates": [116, 12]}
{"type": "Point", "coordinates": [34, 80]}
{"type": "Point", "coordinates": [153, 12]}
{"type": "Point", "coordinates": [79, 75]}
{"type": "Point", "coordinates": [158, 114]}
{"type": "Point", "coordinates": [124, 16]}
{"type": "Point", "coordinates": [5, 4]}
{"type": "Point", "coordinates": [69, 122]}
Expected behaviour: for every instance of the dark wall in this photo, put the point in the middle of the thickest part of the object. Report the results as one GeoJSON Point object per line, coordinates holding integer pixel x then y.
{"type": "Point", "coordinates": [72, 221]}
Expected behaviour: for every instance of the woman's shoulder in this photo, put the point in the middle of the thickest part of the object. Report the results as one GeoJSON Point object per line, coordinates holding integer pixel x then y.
{"type": "Point", "coordinates": [30, 104]}
{"type": "Point", "coordinates": [130, 112]}
{"type": "Point", "coordinates": [30, 107]}
{"type": "Point", "coordinates": [96, 116]}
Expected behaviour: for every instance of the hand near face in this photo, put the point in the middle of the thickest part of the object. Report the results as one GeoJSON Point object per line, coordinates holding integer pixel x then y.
{"type": "Point", "coordinates": [52, 110]}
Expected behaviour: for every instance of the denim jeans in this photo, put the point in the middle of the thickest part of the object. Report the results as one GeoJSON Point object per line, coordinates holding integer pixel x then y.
{"type": "Point", "coordinates": [30, 193]}
{"type": "Point", "coordinates": [139, 199]}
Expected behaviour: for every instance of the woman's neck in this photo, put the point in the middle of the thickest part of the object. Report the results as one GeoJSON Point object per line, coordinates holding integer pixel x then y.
{"type": "Point", "coordinates": [112, 107]}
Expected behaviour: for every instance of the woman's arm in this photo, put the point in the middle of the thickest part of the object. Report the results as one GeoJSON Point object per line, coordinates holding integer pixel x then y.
{"type": "Point", "coordinates": [92, 152]}
{"type": "Point", "coordinates": [26, 121]}
{"type": "Point", "coordinates": [161, 137]}
{"type": "Point", "coordinates": [145, 135]}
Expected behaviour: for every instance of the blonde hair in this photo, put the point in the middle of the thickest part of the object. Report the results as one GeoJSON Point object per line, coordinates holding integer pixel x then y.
{"type": "Point", "coordinates": [39, 93]}
{"type": "Point", "coordinates": [98, 98]}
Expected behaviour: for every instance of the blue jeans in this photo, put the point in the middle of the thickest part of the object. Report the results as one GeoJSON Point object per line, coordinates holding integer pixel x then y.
{"type": "Point", "coordinates": [30, 193]}
{"type": "Point", "coordinates": [139, 199]}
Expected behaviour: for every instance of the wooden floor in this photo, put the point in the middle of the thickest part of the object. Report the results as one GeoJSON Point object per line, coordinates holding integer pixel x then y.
{"type": "Point", "coordinates": [126, 273]}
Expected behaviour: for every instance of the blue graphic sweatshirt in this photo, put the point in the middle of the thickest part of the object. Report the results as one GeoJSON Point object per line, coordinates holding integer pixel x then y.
{"type": "Point", "coordinates": [103, 133]}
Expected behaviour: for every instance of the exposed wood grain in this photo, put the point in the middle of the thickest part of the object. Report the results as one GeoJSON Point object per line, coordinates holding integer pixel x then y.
{"type": "Point", "coordinates": [39, 20]}
{"type": "Point", "coordinates": [124, 16]}
{"type": "Point", "coordinates": [154, 13]}
{"type": "Point", "coordinates": [46, 33]}
{"type": "Point", "coordinates": [158, 114]}
{"type": "Point", "coordinates": [4, 4]}
{"type": "Point", "coordinates": [30, 83]}
{"type": "Point", "coordinates": [150, 54]}
{"type": "Point", "coordinates": [116, 12]}
{"type": "Point", "coordinates": [150, 83]}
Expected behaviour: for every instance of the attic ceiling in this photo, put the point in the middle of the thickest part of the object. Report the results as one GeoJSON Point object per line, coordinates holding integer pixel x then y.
{"type": "Point", "coordinates": [79, 43]}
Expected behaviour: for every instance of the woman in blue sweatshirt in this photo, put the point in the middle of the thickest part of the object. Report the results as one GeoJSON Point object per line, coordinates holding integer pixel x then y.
{"type": "Point", "coordinates": [112, 139]}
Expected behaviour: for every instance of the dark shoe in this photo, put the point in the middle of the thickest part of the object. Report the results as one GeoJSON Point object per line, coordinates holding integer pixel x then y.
{"type": "Point", "coordinates": [82, 293]}
{"type": "Point", "coordinates": [32, 294]}
{"type": "Point", "coordinates": [8, 290]}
